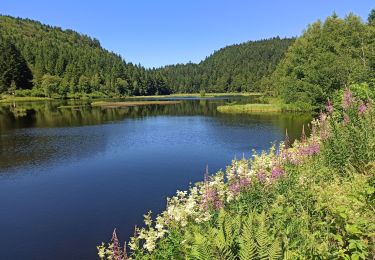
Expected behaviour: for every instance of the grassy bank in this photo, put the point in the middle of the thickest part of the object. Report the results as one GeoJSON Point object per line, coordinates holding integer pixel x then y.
{"type": "Point", "coordinates": [10, 99]}
{"type": "Point", "coordinates": [249, 108]}
{"type": "Point", "coordinates": [310, 200]}
{"type": "Point", "coordinates": [271, 105]}
{"type": "Point", "coordinates": [205, 95]}
{"type": "Point", "coordinates": [106, 104]}
{"type": "Point", "coordinates": [79, 96]}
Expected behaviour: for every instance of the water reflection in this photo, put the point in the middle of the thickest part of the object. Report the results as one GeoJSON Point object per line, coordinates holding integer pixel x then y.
{"type": "Point", "coordinates": [70, 175]}
{"type": "Point", "coordinates": [33, 132]}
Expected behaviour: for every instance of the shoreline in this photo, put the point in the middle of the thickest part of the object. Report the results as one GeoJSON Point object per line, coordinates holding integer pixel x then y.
{"type": "Point", "coordinates": [10, 99]}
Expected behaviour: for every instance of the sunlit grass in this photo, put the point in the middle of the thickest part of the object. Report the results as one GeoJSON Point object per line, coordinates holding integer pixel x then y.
{"type": "Point", "coordinates": [105, 104]}
{"type": "Point", "coordinates": [250, 108]}
{"type": "Point", "coordinates": [271, 105]}
{"type": "Point", "coordinates": [206, 95]}
{"type": "Point", "coordinates": [8, 99]}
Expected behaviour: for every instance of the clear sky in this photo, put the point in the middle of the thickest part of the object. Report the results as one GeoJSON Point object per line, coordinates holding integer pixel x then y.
{"type": "Point", "coordinates": [160, 32]}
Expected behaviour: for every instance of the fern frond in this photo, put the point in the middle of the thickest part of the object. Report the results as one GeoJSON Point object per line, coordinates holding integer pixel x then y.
{"type": "Point", "coordinates": [202, 252]}
{"type": "Point", "coordinates": [288, 255]}
{"type": "Point", "coordinates": [261, 238]}
{"type": "Point", "coordinates": [226, 254]}
{"type": "Point", "coordinates": [275, 251]}
{"type": "Point", "coordinates": [248, 246]}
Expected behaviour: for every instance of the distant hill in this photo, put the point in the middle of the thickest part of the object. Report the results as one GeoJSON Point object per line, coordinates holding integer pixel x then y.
{"type": "Point", "coordinates": [55, 62]}
{"type": "Point", "coordinates": [69, 62]}
{"type": "Point", "coordinates": [238, 67]}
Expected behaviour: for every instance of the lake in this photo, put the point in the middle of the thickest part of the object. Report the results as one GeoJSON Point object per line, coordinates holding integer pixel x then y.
{"type": "Point", "coordinates": [68, 176]}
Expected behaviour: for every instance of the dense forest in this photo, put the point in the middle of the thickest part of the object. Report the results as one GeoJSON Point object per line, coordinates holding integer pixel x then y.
{"type": "Point", "coordinates": [49, 61]}
{"type": "Point", "coordinates": [40, 60]}
{"type": "Point", "coordinates": [235, 68]}
{"type": "Point", "coordinates": [60, 62]}
{"type": "Point", "coordinates": [328, 57]}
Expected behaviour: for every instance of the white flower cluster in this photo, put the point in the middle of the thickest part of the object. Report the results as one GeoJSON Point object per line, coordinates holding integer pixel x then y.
{"type": "Point", "coordinates": [194, 205]}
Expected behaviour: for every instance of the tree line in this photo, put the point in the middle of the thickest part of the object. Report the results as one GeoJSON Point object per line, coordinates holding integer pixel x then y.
{"type": "Point", "coordinates": [330, 56]}
{"type": "Point", "coordinates": [51, 61]}
{"type": "Point", "coordinates": [235, 68]}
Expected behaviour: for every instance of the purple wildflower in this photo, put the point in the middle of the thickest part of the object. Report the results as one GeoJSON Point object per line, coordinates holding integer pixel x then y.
{"type": "Point", "coordinates": [218, 204]}
{"type": "Point", "coordinates": [292, 157]}
{"type": "Point", "coordinates": [211, 198]}
{"type": "Point", "coordinates": [362, 108]}
{"type": "Point", "coordinates": [116, 247]}
{"type": "Point", "coordinates": [303, 151]}
{"type": "Point", "coordinates": [235, 188]}
{"type": "Point", "coordinates": [347, 99]}
{"type": "Point", "coordinates": [314, 148]}
{"type": "Point", "coordinates": [207, 197]}
{"type": "Point", "coordinates": [244, 182]}
{"type": "Point", "coordinates": [329, 107]}
{"type": "Point", "coordinates": [276, 172]}
{"type": "Point", "coordinates": [261, 177]}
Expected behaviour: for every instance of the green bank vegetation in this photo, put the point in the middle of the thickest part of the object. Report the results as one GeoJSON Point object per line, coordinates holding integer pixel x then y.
{"type": "Point", "coordinates": [249, 108]}
{"type": "Point", "coordinates": [9, 99]}
{"type": "Point", "coordinates": [313, 199]}
{"type": "Point", "coordinates": [273, 105]}
{"type": "Point", "coordinates": [310, 200]}
{"type": "Point", "coordinates": [107, 104]}
{"type": "Point", "coordinates": [203, 94]}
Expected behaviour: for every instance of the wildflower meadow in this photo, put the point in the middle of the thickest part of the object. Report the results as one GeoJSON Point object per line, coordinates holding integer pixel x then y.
{"type": "Point", "coordinates": [314, 198]}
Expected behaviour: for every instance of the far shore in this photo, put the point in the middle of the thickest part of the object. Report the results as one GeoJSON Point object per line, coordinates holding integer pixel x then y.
{"type": "Point", "coordinates": [10, 99]}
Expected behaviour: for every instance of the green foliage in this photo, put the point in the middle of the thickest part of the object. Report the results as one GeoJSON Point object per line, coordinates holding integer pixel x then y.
{"type": "Point", "coordinates": [329, 56]}
{"type": "Point", "coordinates": [322, 208]}
{"type": "Point", "coordinates": [371, 17]}
{"type": "Point", "coordinates": [248, 246]}
{"type": "Point", "coordinates": [358, 128]}
{"type": "Point", "coordinates": [235, 68]}
{"type": "Point", "coordinates": [234, 237]}
{"type": "Point", "coordinates": [81, 63]}
{"type": "Point", "coordinates": [50, 84]}
{"type": "Point", "coordinates": [14, 72]}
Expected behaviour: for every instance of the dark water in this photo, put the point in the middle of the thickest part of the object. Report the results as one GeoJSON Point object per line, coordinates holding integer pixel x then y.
{"type": "Point", "coordinates": [69, 176]}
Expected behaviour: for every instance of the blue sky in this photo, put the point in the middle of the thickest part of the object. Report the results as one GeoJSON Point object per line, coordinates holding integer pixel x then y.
{"type": "Point", "coordinates": [160, 32]}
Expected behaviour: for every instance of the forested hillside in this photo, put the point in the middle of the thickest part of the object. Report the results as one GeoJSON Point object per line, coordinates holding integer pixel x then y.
{"type": "Point", "coordinates": [238, 67]}
{"type": "Point", "coordinates": [328, 57]}
{"type": "Point", "coordinates": [65, 62]}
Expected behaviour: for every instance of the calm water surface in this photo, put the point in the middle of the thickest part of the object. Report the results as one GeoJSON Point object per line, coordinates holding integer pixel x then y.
{"type": "Point", "coordinates": [68, 176]}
